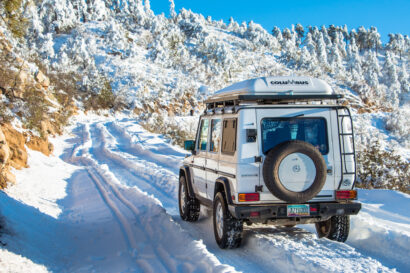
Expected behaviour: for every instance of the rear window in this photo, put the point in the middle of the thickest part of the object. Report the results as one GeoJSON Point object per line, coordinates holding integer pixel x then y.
{"type": "Point", "coordinates": [278, 130]}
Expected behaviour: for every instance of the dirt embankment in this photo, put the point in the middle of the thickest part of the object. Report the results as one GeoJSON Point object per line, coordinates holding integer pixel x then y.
{"type": "Point", "coordinates": [13, 151]}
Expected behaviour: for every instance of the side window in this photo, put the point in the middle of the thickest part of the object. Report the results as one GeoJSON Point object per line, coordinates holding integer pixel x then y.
{"type": "Point", "coordinates": [215, 135]}
{"type": "Point", "coordinates": [203, 135]}
{"type": "Point", "coordinates": [229, 136]}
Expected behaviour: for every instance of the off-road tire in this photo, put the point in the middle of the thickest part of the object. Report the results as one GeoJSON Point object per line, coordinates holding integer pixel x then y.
{"type": "Point", "coordinates": [336, 228]}
{"type": "Point", "coordinates": [190, 210]}
{"type": "Point", "coordinates": [271, 171]}
{"type": "Point", "coordinates": [231, 234]}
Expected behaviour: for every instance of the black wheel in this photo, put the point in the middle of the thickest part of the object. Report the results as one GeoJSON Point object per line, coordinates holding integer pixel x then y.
{"type": "Point", "coordinates": [336, 228]}
{"type": "Point", "coordinates": [294, 171]}
{"type": "Point", "coordinates": [188, 207]}
{"type": "Point", "coordinates": [227, 229]}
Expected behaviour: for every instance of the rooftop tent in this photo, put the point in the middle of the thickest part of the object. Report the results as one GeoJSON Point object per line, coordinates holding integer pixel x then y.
{"type": "Point", "coordinates": [276, 88]}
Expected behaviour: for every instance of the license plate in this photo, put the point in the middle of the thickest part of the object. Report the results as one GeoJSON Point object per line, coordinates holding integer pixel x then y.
{"type": "Point", "coordinates": [298, 210]}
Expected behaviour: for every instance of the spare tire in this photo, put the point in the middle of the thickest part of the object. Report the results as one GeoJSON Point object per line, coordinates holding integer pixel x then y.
{"type": "Point", "coordinates": [294, 171]}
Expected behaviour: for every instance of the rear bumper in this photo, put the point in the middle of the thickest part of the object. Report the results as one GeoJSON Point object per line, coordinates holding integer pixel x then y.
{"type": "Point", "coordinates": [321, 211]}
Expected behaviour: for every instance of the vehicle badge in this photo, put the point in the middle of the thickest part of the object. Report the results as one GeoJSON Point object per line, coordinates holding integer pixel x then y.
{"type": "Point", "coordinates": [296, 168]}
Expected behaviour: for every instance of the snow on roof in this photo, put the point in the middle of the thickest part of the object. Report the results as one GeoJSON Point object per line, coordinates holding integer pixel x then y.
{"type": "Point", "coordinates": [279, 85]}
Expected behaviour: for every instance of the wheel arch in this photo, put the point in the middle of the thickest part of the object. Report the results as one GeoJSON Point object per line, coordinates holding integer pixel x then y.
{"type": "Point", "coordinates": [184, 171]}
{"type": "Point", "coordinates": [222, 185]}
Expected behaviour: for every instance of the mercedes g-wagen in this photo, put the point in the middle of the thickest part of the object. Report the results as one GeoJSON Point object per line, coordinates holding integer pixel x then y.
{"type": "Point", "coordinates": [276, 150]}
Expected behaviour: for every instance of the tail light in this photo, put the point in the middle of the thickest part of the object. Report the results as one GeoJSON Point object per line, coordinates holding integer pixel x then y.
{"type": "Point", "coordinates": [345, 195]}
{"type": "Point", "coordinates": [254, 214]}
{"type": "Point", "coordinates": [248, 197]}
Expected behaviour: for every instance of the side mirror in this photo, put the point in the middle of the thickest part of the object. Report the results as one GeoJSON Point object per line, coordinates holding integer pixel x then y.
{"type": "Point", "coordinates": [189, 145]}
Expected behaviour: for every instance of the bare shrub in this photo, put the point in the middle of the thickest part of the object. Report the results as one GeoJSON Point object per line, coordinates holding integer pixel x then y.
{"type": "Point", "coordinates": [379, 169]}
{"type": "Point", "coordinates": [169, 129]}
{"type": "Point", "coordinates": [36, 109]}
{"type": "Point", "coordinates": [5, 114]}
{"type": "Point", "coordinates": [105, 99]}
{"type": "Point", "coordinates": [14, 17]}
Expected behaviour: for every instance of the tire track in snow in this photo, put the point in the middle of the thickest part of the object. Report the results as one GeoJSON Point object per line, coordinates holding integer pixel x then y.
{"type": "Point", "coordinates": [101, 184]}
{"type": "Point", "coordinates": [148, 178]}
{"type": "Point", "coordinates": [137, 149]}
{"type": "Point", "coordinates": [146, 157]}
{"type": "Point", "coordinates": [121, 219]}
{"type": "Point", "coordinates": [127, 226]}
{"type": "Point", "coordinates": [99, 181]}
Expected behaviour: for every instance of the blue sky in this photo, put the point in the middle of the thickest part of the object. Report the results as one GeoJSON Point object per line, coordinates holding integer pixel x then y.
{"type": "Point", "coordinates": [388, 16]}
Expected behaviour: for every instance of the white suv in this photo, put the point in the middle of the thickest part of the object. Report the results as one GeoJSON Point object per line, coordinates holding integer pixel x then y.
{"type": "Point", "coordinates": [274, 150]}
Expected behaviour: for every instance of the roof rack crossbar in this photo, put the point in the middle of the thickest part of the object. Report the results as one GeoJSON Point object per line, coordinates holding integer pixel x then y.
{"type": "Point", "coordinates": [269, 99]}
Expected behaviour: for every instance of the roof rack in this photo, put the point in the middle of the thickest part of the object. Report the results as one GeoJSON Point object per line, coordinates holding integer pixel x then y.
{"type": "Point", "coordinates": [235, 100]}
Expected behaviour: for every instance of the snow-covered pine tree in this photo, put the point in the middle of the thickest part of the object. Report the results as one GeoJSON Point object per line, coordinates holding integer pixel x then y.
{"type": "Point", "coordinates": [147, 9]}
{"type": "Point", "coordinates": [172, 12]}
{"type": "Point", "coordinates": [396, 44]}
{"type": "Point", "coordinates": [353, 44]}
{"type": "Point", "coordinates": [233, 26]}
{"type": "Point", "coordinates": [277, 33]}
{"type": "Point", "coordinates": [391, 80]}
{"type": "Point", "coordinates": [404, 80]}
{"type": "Point", "coordinates": [374, 41]}
{"type": "Point", "coordinates": [353, 37]}
{"type": "Point", "coordinates": [332, 31]}
{"type": "Point", "coordinates": [301, 33]}
{"type": "Point", "coordinates": [335, 61]}
{"type": "Point", "coordinates": [316, 35]}
{"type": "Point", "coordinates": [325, 36]}
{"type": "Point", "coordinates": [322, 53]}
{"type": "Point", "coordinates": [371, 69]}
{"type": "Point", "coordinates": [289, 48]}
{"type": "Point", "coordinates": [310, 44]}
{"type": "Point", "coordinates": [407, 46]}
{"type": "Point", "coordinates": [307, 61]}
{"type": "Point", "coordinates": [389, 69]}
{"type": "Point", "coordinates": [345, 33]}
{"type": "Point", "coordinates": [354, 63]}
{"type": "Point", "coordinates": [286, 34]}
{"type": "Point", "coordinates": [361, 38]}
{"type": "Point", "coordinates": [341, 44]}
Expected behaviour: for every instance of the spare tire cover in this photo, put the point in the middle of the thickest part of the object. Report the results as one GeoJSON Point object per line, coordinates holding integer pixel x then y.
{"type": "Point", "coordinates": [294, 171]}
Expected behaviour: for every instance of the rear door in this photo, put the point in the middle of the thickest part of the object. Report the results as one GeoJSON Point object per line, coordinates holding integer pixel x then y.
{"type": "Point", "coordinates": [228, 154]}
{"type": "Point", "coordinates": [312, 125]}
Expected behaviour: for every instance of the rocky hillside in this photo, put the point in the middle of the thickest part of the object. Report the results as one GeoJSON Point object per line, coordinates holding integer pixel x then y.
{"type": "Point", "coordinates": [119, 55]}
{"type": "Point", "coordinates": [30, 107]}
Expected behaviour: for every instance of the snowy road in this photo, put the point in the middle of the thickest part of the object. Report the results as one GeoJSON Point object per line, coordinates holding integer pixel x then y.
{"type": "Point", "coordinates": [120, 215]}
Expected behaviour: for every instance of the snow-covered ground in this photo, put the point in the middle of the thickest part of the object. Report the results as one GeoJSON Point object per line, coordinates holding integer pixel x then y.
{"type": "Point", "coordinates": [107, 202]}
